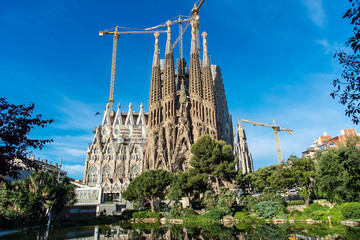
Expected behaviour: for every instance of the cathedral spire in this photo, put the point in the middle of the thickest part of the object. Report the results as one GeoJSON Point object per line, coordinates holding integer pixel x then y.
{"type": "Point", "coordinates": [195, 85]}
{"type": "Point", "coordinates": [168, 41]}
{"type": "Point", "coordinates": [206, 61]}
{"type": "Point", "coordinates": [169, 70]}
{"type": "Point", "coordinates": [156, 60]}
{"type": "Point", "coordinates": [155, 85]}
{"type": "Point", "coordinates": [193, 48]}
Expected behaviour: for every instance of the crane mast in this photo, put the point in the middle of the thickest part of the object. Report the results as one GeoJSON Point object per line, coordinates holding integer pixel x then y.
{"type": "Point", "coordinates": [116, 34]}
{"type": "Point", "coordinates": [276, 129]}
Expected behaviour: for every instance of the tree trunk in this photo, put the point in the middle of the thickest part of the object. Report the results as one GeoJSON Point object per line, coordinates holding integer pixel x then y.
{"type": "Point", "coordinates": [217, 185]}
{"type": "Point", "coordinates": [189, 196]}
{"type": "Point", "coordinates": [307, 200]}
{"type": "Point", "coordinates": [152, 204]}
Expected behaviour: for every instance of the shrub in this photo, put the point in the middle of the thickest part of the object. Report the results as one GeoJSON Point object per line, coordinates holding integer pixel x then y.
{"type": "Point", "coordinates": [242, 215]}
{"type": "Point", "coordinates": [188, 212]}
{"type": "Point", "coordinates": [127, 214]}
{"type": "Point", "coordinates": [214, 214]}
{"type": "Point", "coordinates": [249, 201]}
{"type": "Point", "coordinates": [336, 215]}
{"type": "Point", "coordinates": [351, 210]}
{"type": "Point", "coordinates": [295, 214]}
{"type": "Point", "coordinates": [139, 214]}
{"type": "Point", "coordinates": [318, 207]}
{"type": "Point", "coordinates": [317, 212]}
{"type": "Point", "coordinates": [268, 209]}
{"type": "Point", "coordinates": [176, 210]}
{"type": "Point", "coordinates": [146, 214]}
{"type": "Point", "coordinates": [294, 203]}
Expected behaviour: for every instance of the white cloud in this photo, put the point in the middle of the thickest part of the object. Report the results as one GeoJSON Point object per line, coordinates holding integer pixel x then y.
{"type": "Point", "coordinates": [74, 171]}
{"type": "Point", "coordinates": [331, 47]}
{"type": "Point", "coordinates": [316, 11]}
{"type": "Point", "coordinates": [77, 115]}
{"type": "Point", "coordinates": [325, 44]}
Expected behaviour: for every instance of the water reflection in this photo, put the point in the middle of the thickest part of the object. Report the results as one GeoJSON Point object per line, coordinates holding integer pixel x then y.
{"type": "Point", "coordinates": [243, 231]}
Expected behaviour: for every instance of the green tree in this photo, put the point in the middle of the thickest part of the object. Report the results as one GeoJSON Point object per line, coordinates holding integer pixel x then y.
{"type": "Point", "coordinates": [347, 89]}
{"type": "Point", "coordinates": [149, 186]}
{"type": "Point", "coordinates": [260, 179]}
{"type": "Point", "coordinates": [226, 200]}
{"type": "Point", "coordinates": [302, 172]}
{"type": "Point", "coordinates": [187, 184]}
{"type": "Point", "coordinates": [214, 158]}
{"type": "Point", "coordinates": [338, 173]}
{"type": "Point", "coordinates": [16, 122]}
{"type": "Point", "coordinates": [32, 199]}
{"type": "Point", "coordinates": [281, 178]}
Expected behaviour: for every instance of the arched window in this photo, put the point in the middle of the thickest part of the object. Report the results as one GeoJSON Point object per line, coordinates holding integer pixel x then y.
{"type": "Point", "coordinates": [135, 154]}
{"type": "Point", "coordinates": [135, 171]}
{"type": "Point", "coordinates": [120, 172]}
{"type": "Point", "coordinates": [93, 174]}
{"type": "Point", "coordinates": [106, 172]}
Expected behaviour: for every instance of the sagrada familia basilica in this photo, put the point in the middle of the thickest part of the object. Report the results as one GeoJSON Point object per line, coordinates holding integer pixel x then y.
{"type": "Point", "coordinates": [184, 104]}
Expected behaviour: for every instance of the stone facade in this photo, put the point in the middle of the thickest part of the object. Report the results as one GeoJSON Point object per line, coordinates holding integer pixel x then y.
{"type": "Point", "coordinates": [116, 154]}
{"type": "Point", "coordinates": [184, 104]}
{"type": "Point", "coordinates": [182, 111]}
{"type": "Point", "coordinates": [242, 151]}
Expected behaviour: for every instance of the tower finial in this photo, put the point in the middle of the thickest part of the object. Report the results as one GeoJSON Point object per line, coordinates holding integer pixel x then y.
{"type": "Point", "coordinates": [156, 60]}
{"type": "Point", "coordinates": [193, 37]}
{"type": "Point", "coordinates": [206, 61]}
{"type": "Point", "coordinates": [168, 41]}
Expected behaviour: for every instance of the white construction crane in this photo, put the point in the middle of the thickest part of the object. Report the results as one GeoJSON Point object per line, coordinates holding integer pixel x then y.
{"type": "Point", "coordinates": [276, 129]}
{"type": "Point", "coordinates": [116, 34]}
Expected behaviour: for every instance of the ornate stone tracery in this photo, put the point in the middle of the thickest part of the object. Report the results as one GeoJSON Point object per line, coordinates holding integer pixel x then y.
{"type": "Point", "coordinates": [183, 105]}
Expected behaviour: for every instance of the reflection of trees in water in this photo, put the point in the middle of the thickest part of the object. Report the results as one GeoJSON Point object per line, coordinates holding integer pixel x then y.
{"type": "Point", "coordinates": [242, 231]}
{"type": "Point", "coordinates": [269, 232]}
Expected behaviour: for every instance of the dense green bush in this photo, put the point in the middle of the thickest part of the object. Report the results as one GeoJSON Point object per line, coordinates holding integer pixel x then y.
{"type": "Point", "coordinates": [335, 213]}
{"type": "Point", "coordinates": [176, 210]}
{"type": "Point", "coordinates": [317, 212]}
{"type": "Point", "coordinates": [351, 210]}
{"type": "Point", "coordinates": [296, 214]}
{"type": "Point", "coordinates": [294, 203]}
{"type": "Point", "coordinates": [146, 214]}
{"type": "Point", "coordinates": [248, 201]}
{"type": "Point", "coordinates": [242, 215]}
{"type": "Point", "coordinates": [214, 214]}
{"type": "Point", "coordinates": [188, 212]}
{"type": "Point", "coordinates": [268, 209]}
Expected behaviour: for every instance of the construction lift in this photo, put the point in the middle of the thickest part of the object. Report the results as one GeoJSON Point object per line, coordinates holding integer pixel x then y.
{"type": "Point", "coordinates": [276, 129]}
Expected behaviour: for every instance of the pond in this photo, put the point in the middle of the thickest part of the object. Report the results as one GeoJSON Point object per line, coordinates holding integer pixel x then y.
{"type": "Point", "coordinates": [244, 231]}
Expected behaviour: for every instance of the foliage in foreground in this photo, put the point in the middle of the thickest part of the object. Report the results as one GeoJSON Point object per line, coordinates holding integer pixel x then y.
{"type": "Point", "coordinates": [347, 88]}
{"type": "Point", "coordinates": [16, 122]}
{"type": "Point", "coordinates": [338, 173]}
{"type": "Point", "coordinates": [149, 186]}
{"type": "Point", "coordinates": [29, 201]}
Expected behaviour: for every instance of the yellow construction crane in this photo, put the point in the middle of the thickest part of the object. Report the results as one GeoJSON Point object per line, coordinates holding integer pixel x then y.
{"type": "Point", "coordinates": [195, 16]}
{"type": "Point", "coordinates": [276, 129]}
{"type": "Point", "coordinates": [116, 34]}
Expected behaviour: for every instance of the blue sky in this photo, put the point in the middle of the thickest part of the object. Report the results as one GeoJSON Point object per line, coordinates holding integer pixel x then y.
{"type": "Point", "coordinates": [276, 59]}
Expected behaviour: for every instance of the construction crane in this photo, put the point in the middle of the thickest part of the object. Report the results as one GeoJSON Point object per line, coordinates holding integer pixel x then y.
{"type": "Point", "coordinates": [276, 129]}
{"type": "Point", "coordinates": [195, 11]}
{"type": "Point", "coordinates": [195, 16]}
{"type": "Point", "coordinates": [116, 34]}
